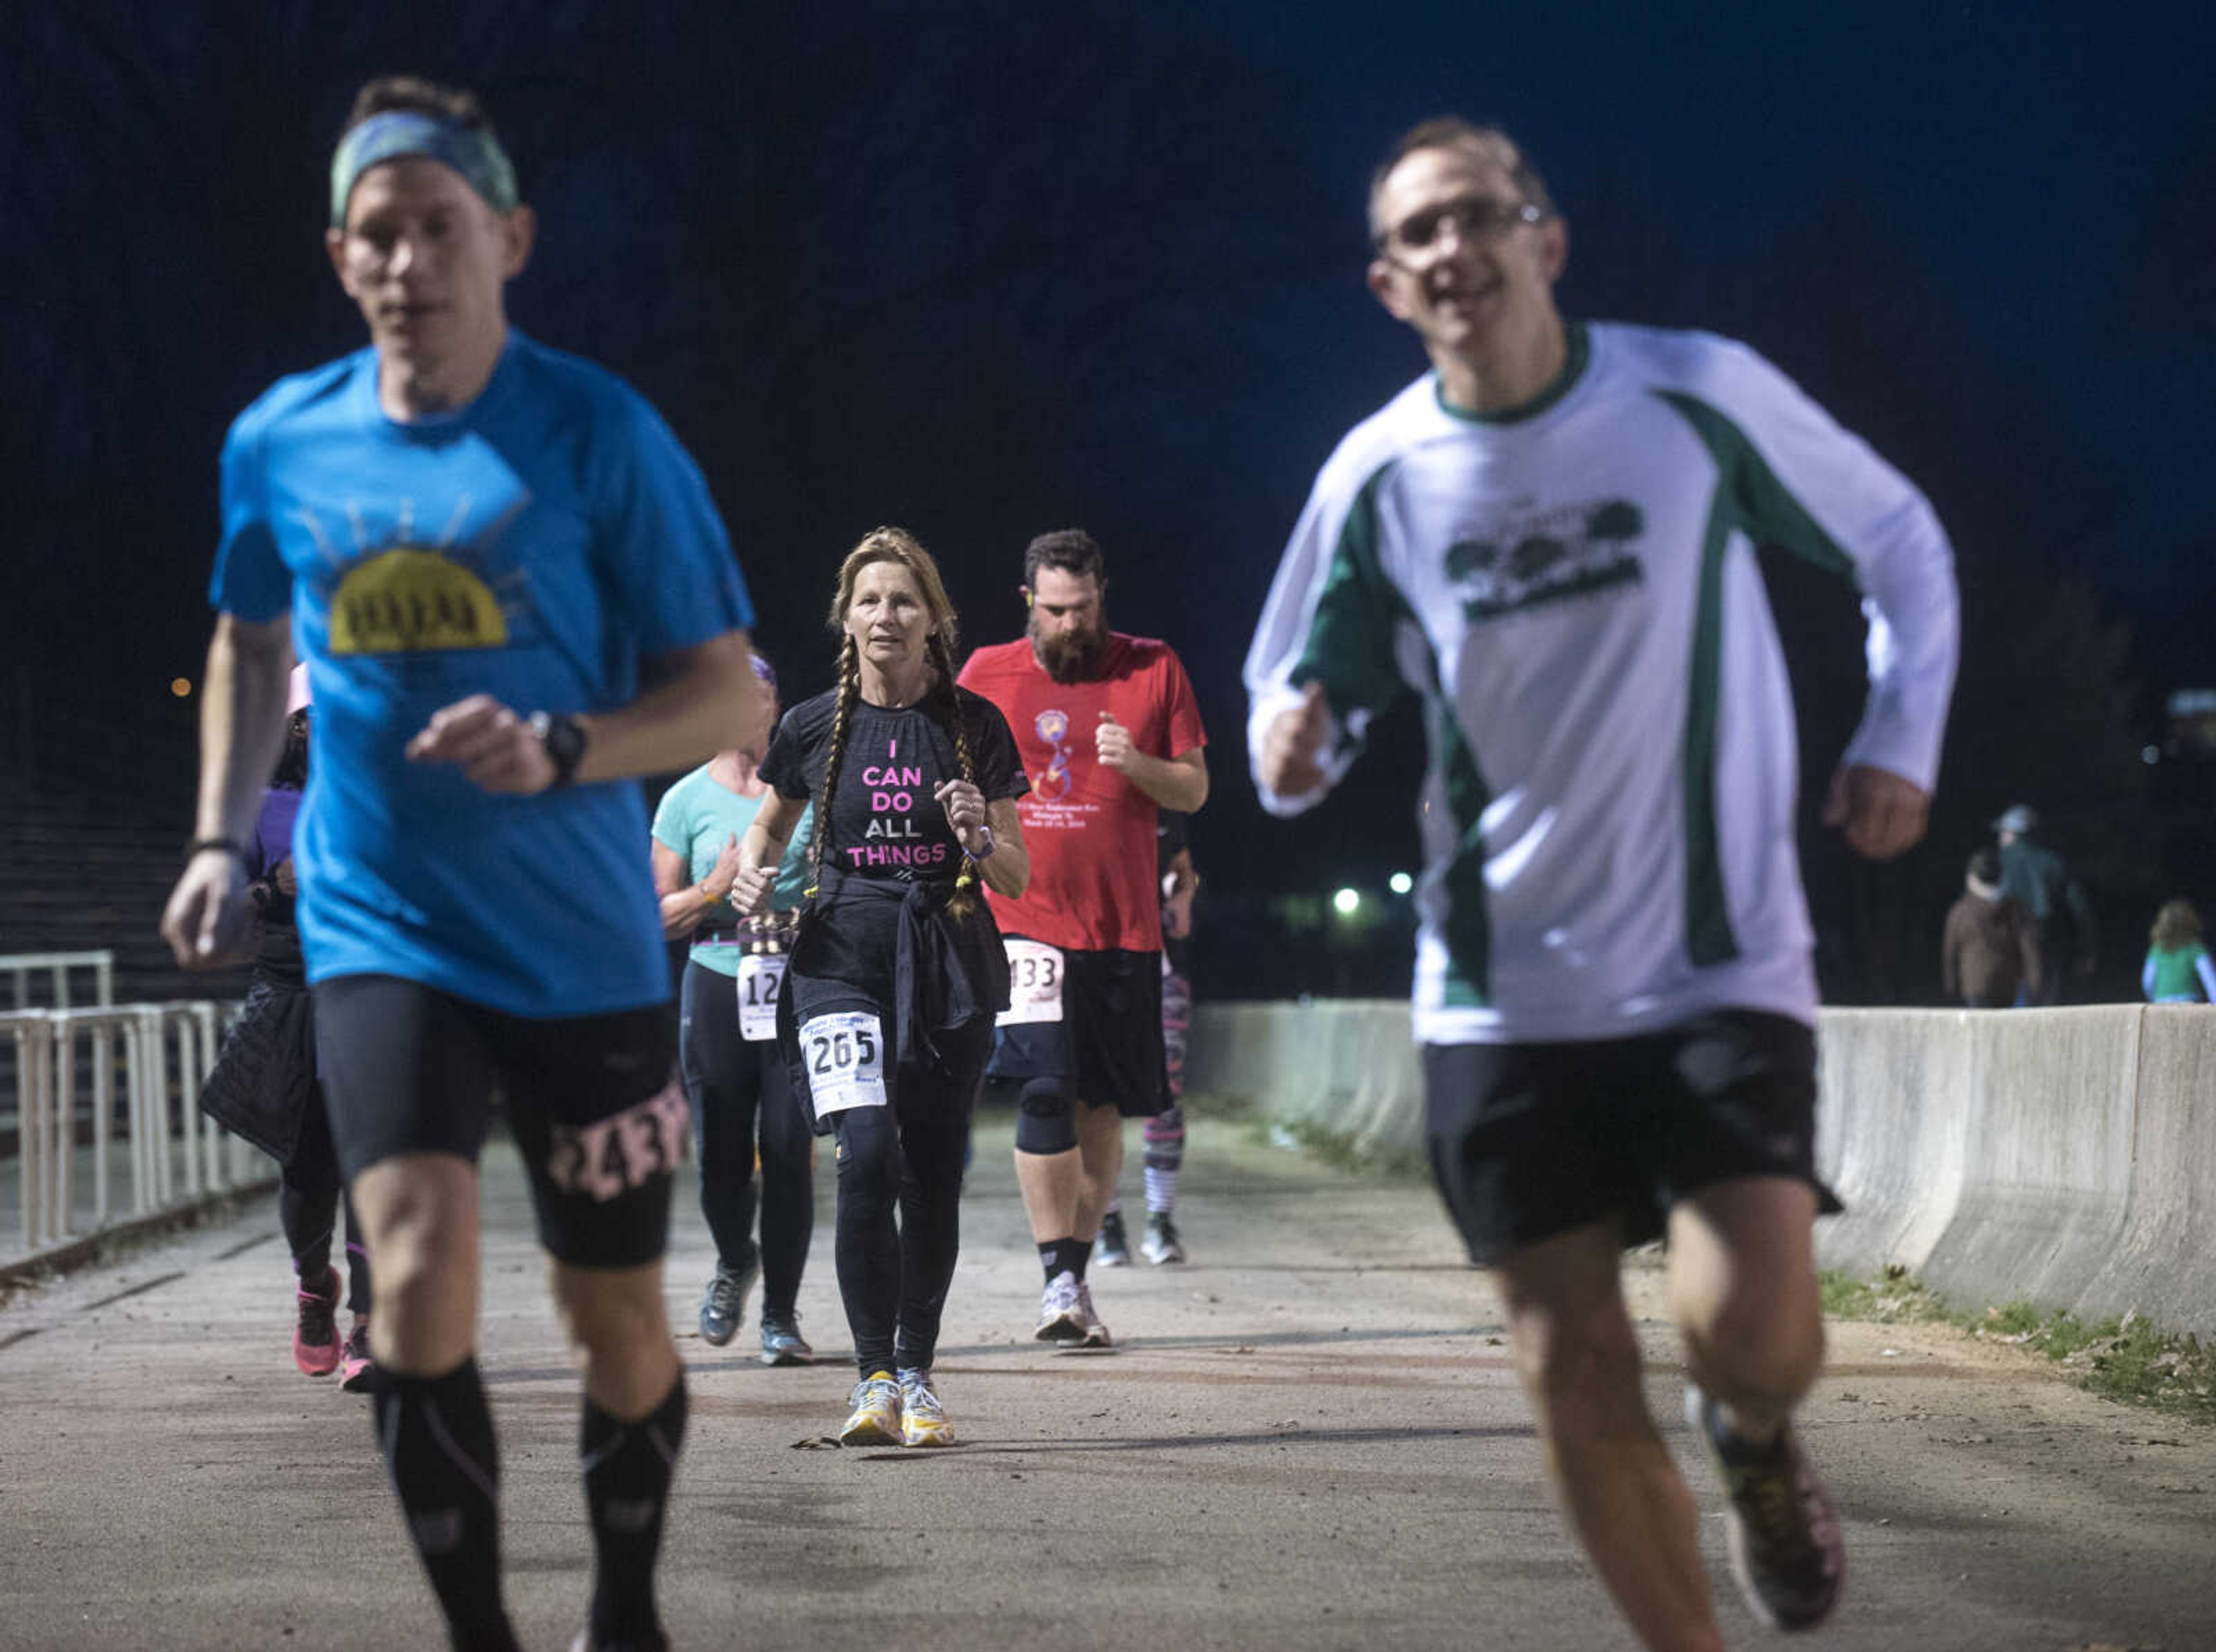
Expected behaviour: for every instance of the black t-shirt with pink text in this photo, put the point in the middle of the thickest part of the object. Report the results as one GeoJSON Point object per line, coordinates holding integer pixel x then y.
{"type": "Point", "coordinates": [884, 822]}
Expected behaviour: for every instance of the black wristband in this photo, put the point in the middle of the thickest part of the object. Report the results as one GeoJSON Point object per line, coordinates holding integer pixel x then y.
{"type": "Point", "coordinates": [564, 739]}
{"type": "Point", "coordinates": [230, 846]}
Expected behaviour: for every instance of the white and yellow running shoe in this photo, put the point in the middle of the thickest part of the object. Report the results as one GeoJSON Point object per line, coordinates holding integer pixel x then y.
{"type": "Point", "coordinates": [877, 1416]}
{"type": "Point", "coordinates": [923, 1419]}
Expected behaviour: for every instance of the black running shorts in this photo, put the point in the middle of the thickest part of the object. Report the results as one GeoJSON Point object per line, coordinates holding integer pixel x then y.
{"type": "Point", "coordinates": [593, 1101]}
{"type": "Point", "coordinates": [1108, 1044]}
{"type": "Point", "coordinates": [1530, 1140]}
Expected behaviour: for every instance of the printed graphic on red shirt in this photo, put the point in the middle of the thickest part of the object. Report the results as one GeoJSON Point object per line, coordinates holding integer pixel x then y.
{"type": "Point", "coordinates": [1090, 831]}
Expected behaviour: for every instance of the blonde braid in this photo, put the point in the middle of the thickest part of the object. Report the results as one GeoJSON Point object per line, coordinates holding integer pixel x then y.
{"type": "Point", "coordinates": [964, 897]}
{"type": "Point", "coordinates": [842, 716]}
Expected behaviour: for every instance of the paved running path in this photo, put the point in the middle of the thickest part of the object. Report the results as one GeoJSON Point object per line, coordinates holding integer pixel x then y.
{"type": "Point", "coordinates": [1308, 1438]}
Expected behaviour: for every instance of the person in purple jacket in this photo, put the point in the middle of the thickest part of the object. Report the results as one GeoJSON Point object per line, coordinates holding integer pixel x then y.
{"type": "Point", "coordinates": [264, 1086]}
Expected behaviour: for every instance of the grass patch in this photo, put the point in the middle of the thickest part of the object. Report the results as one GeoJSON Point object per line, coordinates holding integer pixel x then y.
{"type": "Point", "coordinates": [1339, 1152]}
{"type": "Point", "coordinates": [2128, 1359]}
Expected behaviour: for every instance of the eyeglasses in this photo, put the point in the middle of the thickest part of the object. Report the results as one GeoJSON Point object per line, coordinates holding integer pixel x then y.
{"type": "Point", "coordinates": [1480, 218]}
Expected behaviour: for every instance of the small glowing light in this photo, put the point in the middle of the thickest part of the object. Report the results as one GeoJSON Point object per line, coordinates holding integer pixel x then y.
{"type": "Point", "coordinates": [1346, 902]}
{"type": "Point", "coordinates": [179, 687]}
{"type": "Point", "coordinates": [2150, 754]}
{"type": "Point", "coordinates": [1400, 883]}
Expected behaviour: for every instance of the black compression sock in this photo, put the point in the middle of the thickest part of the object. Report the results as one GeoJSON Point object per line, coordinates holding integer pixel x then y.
{"type": "Point", "coordinates": [436, 1432]}
{"type": "Point", "coordinates": [1060, 1257]}
{"type": "Point", "coordinates": [628, 1467]}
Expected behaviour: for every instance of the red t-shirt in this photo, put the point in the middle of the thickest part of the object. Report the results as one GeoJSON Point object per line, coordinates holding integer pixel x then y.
{"type": "Point", "coordinates": [1091, 832]}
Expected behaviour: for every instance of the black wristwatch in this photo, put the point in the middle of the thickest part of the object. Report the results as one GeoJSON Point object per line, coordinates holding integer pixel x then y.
{"type": "Point", "coordinates": [564, 740]}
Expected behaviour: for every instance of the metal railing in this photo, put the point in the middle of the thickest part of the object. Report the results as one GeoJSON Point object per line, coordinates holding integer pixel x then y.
{"type": "Point", "coordinates": [21, 966]}
{"type": "Point", "coordinates": [163, 1053]}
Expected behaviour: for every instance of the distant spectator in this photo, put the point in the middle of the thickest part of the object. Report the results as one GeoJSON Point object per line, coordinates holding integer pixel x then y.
{"type": "Point", "coordinates": [2177, 968]}
{"type": "Point", "coordinates": [2036, 875]}
{"type": "Point", "coordinates": [1990, 955]}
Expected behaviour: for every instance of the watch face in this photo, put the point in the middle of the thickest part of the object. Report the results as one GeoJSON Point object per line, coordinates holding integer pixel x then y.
{"type": "Point", "coordinates": [564, 740]}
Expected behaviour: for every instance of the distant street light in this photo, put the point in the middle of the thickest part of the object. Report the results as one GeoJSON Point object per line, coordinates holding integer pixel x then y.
{"type": "Point", "coordinates": [1400, 883]}
{"type": "Point", "coordinates": [1346, 902]}
{"type": "Point", "coordinates": [179, 687]}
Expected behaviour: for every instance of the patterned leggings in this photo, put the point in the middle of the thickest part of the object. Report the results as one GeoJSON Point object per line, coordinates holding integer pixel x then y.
{"type": "Point", "coordinates": [1165, 1134]}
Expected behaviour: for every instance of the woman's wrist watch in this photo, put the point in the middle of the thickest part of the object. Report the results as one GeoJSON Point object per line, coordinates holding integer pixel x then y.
{"type": "Point", "coordinates": [986, 853]}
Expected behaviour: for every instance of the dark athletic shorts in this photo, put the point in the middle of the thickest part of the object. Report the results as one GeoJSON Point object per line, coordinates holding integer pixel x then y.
{"type": "Point", "coordinates": [1108, 1044]}
{"type": "Point", "coordinates": [593, 1101]}
{"type": "Point", "coordinates": [1530, 1140]}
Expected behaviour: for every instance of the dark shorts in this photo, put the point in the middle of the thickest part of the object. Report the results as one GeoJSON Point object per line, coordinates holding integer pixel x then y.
{"type": "Point", "coordinates": [1108, 1044]}
{"type": "Point", "coordinates": [1530, 1140]}
{"type": "Point", "coordinates": [592, 1102]}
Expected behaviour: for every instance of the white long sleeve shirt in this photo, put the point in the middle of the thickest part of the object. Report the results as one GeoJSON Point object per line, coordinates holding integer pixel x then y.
{"type": "Point", "coordinates": [1607, 816]}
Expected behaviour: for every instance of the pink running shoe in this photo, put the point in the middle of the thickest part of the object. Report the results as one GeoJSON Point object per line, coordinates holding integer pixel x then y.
{"type": "Point", "coordinates": [355, 1367]}
{"type": "Point", "coordinates": [316, 1337]}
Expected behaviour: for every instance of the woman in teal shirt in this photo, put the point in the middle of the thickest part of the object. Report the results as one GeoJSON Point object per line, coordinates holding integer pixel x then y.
{"type": "Point", "coordinates": [2178, 969]}
{"type": "Point", "coordinates": [738, 1088]}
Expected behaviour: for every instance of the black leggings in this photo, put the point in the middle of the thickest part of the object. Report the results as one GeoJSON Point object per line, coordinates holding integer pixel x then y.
{"type": "Point", "coordinates": [908, 1156]}
{"type": "Point", "coordinates": [308, 1199]}
{"type": "Point", "coordinates": [735, 1086]}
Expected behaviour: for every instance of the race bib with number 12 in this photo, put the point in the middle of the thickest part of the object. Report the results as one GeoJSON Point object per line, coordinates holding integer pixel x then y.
{"type": "Point", "coordinates": [845, 1055]}
{"type": "Point", "coordinates": [761, 978]}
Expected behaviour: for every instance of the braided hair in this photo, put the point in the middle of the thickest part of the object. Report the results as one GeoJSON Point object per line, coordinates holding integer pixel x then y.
{"type": "Point", "coordinates": [964, 897]}
{"type": "Point", "coordinates": [842, 714]}
{"type": "Point", "coordinates": [891, 545]}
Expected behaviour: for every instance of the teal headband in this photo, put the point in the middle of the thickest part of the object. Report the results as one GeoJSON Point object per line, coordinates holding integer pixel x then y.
{"type": "Point", "coordinates": [477, 155]}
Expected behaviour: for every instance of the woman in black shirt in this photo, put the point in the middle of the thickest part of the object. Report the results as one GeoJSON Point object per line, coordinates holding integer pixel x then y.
{"type": "Point", "coordinates": [897, 971]}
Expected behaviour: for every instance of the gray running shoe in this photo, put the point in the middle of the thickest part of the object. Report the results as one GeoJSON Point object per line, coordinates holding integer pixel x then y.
{"type": "Point", "coordinates": [1786, 1550]}
{"type": "Point", "coordinates": [724, 1308]}
{"type": "Point", "coordinates": [1096, 1333]}
{"type": "Point", "coordinates": [1110, 1251]}
{"type": "Point", "coordinates": [782, 1342]}
{"type": "Point", "coordinates": [1161, 1243]}
{"type": "Point", "coordinates": [1061, 1312]}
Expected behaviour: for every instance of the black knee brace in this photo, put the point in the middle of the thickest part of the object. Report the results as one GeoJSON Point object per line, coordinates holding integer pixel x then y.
{"type": "Point", "coordinates": [1048, 1121]}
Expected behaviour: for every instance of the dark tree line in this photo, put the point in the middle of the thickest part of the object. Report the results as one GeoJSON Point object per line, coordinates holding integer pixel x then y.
{"type": "Point", "coordinates": [983, 270]}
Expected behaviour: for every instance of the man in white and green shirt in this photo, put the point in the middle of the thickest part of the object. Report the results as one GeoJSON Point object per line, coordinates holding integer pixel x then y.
{"type": "Point", "coordinates": [1550, 537]}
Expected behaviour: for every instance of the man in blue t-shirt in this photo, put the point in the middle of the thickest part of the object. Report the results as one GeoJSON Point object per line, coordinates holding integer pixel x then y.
{"type": "Point", "coordinates": [476, 543]}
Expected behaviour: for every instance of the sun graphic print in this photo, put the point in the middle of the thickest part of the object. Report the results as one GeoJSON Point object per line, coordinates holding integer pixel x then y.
{"type": "Point", "coordinates": [400, 591]}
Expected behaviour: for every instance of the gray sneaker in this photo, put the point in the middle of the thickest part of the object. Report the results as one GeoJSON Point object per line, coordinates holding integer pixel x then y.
{"type": "Point", "coordinates": [1110, 1249]}
{"type": "Point", "coordinates": [1161, 1243]}
{"type": "Point", "coordinates": [1786, 1550]}
{"type": "Point", "coordinates": [782, 1342]}
{"type": "Point", "coordinates": [1062, 1313]}
{"type": "Point", "coordinates": [723, 1307]}
{"type": "Point", "coordinates": [1096, 1333]}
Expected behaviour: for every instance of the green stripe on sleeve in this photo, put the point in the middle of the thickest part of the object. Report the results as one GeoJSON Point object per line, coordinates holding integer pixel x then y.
{"type": "Point", "coordinates": [1350, 642]}
{"type": "Point", "coordinates": [1351, 650]}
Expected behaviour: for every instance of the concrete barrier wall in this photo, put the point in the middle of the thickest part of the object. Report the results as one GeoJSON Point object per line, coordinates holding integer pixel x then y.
{"type": "Point", "coordinates": [2063, 1156]}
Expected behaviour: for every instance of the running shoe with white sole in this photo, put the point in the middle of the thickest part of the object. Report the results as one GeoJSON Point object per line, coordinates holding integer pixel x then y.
{"type": "Point", "coordinates": [782, 1342]}
{"type": "Point", "coordinates": [923, 1419]}
{"type": "Point", "coordinates": [1061, 1312]}
{"type": "Point", "coordinates": [723, 1305]}
{"type": "Point", "coordinates": [1161, 1243]}
{"type": "Point", "coordinates": [1786, 1550]}
{"type": "Point", "coordinates": [1096, 1333]}
{"type": "Point", "coordinates": [315, 1331]}
{"type": "Point", "coordinates": [876, 1414]}
{"type": "Point", "coordinates": [1112, 1250]}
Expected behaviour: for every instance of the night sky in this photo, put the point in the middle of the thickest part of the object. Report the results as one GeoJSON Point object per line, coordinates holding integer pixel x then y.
{"type": "Point", "coordinates": [985, 270]}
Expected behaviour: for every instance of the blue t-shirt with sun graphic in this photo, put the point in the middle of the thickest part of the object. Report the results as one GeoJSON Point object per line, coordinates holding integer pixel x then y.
{"type": "Point", "coordinates": [535, 545]}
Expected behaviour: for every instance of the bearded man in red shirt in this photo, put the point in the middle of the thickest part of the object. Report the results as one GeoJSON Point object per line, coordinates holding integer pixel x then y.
{"type": "Point", "coordinates": [1109, 733]}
